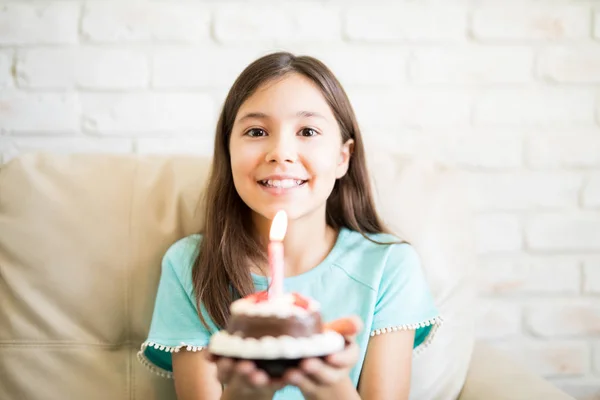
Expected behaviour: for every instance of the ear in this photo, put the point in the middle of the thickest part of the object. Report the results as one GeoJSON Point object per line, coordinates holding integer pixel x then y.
{"type": "Point", "coordinates": [344, 159]}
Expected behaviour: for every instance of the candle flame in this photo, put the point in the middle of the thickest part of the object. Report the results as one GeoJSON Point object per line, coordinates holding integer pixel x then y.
{"type": "Point", "coordinates": [278, 226]}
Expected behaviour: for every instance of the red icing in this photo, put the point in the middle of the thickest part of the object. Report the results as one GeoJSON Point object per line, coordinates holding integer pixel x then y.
{"type": "Point", "coordinates": [263, 296]}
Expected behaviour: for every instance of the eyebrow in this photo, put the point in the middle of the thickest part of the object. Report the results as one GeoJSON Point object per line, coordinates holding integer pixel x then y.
{"type": "Point", "coordinates": [259, 115]}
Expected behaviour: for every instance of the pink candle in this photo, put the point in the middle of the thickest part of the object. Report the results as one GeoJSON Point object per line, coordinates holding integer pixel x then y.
{"type": "Point", "coordinates": [275, 251]}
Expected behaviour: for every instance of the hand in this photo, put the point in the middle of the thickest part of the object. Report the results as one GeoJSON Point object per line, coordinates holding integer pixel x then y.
{"type": "Point", "coordinates": [243, 379]}
{"type": "Point", "coordinates": [315, 375]}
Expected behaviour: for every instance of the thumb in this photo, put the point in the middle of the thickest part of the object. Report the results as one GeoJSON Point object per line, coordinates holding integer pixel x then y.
{"type": "Point", "coordinates": [349, 326]}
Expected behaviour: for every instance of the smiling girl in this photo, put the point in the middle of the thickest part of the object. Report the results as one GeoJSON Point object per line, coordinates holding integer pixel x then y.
{"type": "Point", "coordinates": [287, 139]}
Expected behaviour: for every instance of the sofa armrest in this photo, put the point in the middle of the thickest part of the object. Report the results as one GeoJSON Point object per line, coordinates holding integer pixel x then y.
{"type": "Point", "coordinates": [492, 376]}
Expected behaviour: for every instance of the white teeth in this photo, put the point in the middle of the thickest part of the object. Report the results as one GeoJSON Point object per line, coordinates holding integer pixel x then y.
{"type": "Point", "coordinates": [283, 183]}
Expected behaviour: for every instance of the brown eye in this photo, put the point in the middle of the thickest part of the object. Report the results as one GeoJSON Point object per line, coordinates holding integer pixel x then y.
{"type": "Point", "coordinates": [308, 132]}
{"type": "Point", "coordinates": [256, 132]}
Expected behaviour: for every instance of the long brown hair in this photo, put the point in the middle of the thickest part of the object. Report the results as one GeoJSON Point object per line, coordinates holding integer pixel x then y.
{"type": "Point", "coordinates": [221, 271]}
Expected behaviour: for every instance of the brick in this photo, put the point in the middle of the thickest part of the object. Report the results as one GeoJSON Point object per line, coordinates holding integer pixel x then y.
{"type": "Point", "coordinates": [6, 65]}
{"type": "Point", "coordinates": [143, 113]}
{"type": "Point", "coordinates": [530, 22]}
{"type": "Point", "coordinates": [86, 67]}
{"type": "Point", "coordinates": [554, 232]}
{"type": "Point", "coordinates": [591, 282]}
{"type": "Point", "coordinates": [354, 65]}
{"type": "Point", "coordinates": [200, 146]}
{"type": "Point", "coordinates": [405, 22]}
{"type": "Point", "coordinates": [565, 150]}
{"type": "Point", "coordinates": [544, 106]}
{"type": "Point", "coordinates": [472, 65]}
{"type": "Point", "coordinates": [570, 64]}
{"type": "Point", "coordinates": [478, 150]}
{"type": "Point", "coordinates": [66, 145]}
{"type": "Point", "coordinates": [552, 358]}
{"type": "Point", "coordinates": [199, 67]}
{"type": "Point", "coordinates": [398, 141]}
{"type": "Point", "coordinates": [497, 233]}
{"type": "Point", "coordinates": [39, 23]}
{"type": "Point", "coordinates": [591, 192]}
{"type": "Point", "coordinates": [581, 389]}
{"type": "Point", "coordinates": [39, 112]}
{"type": "Point", "coordinates": [111, 22]}
{"type": "Point", "coordinates": [530, 275]}
{"type": "Point", "coordinates": [497, 319]}
{"type": "Point", "coordinates": [388, 108]}
{"type": "Point", "coordinates": [524, 190]}
{"type": "Point", "coordinates": [287, 23]}
{"type": "Point", "coordinates": [562, 318]}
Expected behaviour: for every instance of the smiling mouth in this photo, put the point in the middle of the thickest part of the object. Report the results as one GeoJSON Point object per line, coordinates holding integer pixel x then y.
{"type": "Point", "coordinates": [283, 183]}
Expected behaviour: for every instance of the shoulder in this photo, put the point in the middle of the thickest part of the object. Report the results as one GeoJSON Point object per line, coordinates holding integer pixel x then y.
{"type": "Point", "coordinates": [369, 259]}
{"type": "Point", "coordinates": [181, 255]}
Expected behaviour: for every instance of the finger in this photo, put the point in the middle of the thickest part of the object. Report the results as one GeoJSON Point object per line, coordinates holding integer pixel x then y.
{"type": "Point", "coordinates": [211, 357]}
{"type": "Point", "coordinates": [345, 358]}
{"type": "Point", "coordinates": [244, 367]}
{"type": "Point", "coordinates": [224, 369]}
{"type": "Point", "coordinates": [349, 326]}
{"type": "Point", "coordinates": [297, 378]}
{"type": "Point", "coordinates": [258, 378]}
{"type": "Point", "coordinates": [250, 375]}
{"type": "Point", "coordinates": [319, 372]}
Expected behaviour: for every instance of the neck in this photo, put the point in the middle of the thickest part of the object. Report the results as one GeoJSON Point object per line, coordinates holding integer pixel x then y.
{"type": "Point", "coordinates": [307, 241]}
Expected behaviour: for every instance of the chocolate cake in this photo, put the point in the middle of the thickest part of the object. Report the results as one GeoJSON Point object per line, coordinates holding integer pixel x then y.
{"type": "Point", "coordinates": [275, 333]}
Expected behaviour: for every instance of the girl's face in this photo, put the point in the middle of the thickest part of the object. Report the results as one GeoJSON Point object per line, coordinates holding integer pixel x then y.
{"type": "Point", "coordinates": [286, 149]}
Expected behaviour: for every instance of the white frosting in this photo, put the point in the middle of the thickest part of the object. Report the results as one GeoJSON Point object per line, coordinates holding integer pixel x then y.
{"type": "Point", "coordinates": [281, 307]}
{"type": "Point", "coordinates": [269, 347]}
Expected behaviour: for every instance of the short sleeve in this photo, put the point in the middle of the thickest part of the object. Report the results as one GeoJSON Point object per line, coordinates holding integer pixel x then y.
{"type": "Point", "coordinates": [404, 299]}
{"type": "Point", "coordinates": [175, 321]}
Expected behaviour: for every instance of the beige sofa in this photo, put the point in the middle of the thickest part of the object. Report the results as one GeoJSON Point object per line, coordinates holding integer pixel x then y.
{"type": "Point", "coordinates": [82, 236]}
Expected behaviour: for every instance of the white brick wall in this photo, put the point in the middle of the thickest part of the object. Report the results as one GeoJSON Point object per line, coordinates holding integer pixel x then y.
{"type": "Point", "coordinates": [148, 113]}
{"type": "Point", "coordinates": [591, 271]}
{"type": "Point", "coordinates": [25, 23]}
{"type": "Point", "coordinates": [118, 22]}
{"type": "Point", "coordinates": [405, 22]}
{"type": "Point", "coordinates": [82, 67]}
{"type": "Point", "coordinates": [556, 232]}
{"type": "Point", "coordinates": [27, 112]}
{"type": "Point", "coordinates": [285, 23]}
{"type": "Point", "coordinates": [508, 92]}
{"type": "Point", "coordinates": [547, 106]}
{"type": "Point", "coordinates": [472, 65]}
{"type": "Point", "coordinates": [531, 22]}
{"type": "Point", "coordinates": [591, 192]}
{"type": "Point", "coordinates": [597, 357]}
{"type": "Point", "coordinates": [525, 190]}
{"type": "Point", "coordinates": [176, 67]}
{"type": "Point", "coordinates": [531, 275]}
{"type": "Point", "coordinates": [571, 150]}
{"type": "Point", "coordinates": [498, 233]}
{"type": "Point", "coordinates": [563, 318]}
{"type": "Point", "coordinates": [570, 64]}
{"type": "Point", "coordinates": [6, 62]}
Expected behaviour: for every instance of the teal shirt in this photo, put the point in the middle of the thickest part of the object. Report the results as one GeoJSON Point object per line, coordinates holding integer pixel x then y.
{"type": "Point", "coordinates": [383, 284]}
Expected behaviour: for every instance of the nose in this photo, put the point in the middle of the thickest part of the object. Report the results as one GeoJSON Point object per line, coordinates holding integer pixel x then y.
{"type": "Point", "coordinates": [282, 149]}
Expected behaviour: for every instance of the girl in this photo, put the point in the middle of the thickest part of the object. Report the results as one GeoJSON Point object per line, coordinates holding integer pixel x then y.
{"type": "Point", "coordinates": [287, 139]}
